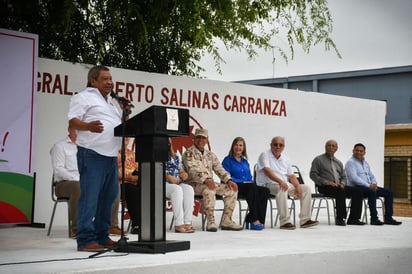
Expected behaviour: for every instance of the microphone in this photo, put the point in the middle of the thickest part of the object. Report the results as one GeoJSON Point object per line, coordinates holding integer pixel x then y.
{"type": "Point", "coordinates": [122, 100]}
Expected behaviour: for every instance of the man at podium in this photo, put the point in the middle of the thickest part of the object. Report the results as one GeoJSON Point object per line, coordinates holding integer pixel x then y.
{"type": "Point", "coordinates": [93, 114]}
{"type": "Point", "coordinates": [200, 164]}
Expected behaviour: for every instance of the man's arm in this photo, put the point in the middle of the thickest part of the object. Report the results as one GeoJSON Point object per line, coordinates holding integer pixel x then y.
{"type": "Point", "coordinates": [316, 171]}
{"type": "Point", "coordinates": [93, 126]}
{"type": "Point", "coordinates": [272, 176]}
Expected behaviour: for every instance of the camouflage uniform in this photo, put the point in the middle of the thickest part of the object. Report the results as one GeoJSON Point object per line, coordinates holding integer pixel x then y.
{"type": "Point", "coordinates": [200, 166]}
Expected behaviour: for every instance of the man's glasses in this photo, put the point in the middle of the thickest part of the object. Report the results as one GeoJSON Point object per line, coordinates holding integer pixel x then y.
{"type": "Point", "coordinates": [277, 145]}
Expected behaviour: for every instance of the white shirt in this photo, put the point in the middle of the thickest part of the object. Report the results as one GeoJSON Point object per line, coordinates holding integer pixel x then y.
{"type": "Point", "coordinates": [282, 167]}
{"type": "Point", "coordinates": [89, 105]}
{"type": "Point", "coordinates": [64, 160]}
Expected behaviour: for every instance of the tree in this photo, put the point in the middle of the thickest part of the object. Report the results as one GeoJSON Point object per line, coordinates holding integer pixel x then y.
{"type": "Point", "coordinates": [166, 36]}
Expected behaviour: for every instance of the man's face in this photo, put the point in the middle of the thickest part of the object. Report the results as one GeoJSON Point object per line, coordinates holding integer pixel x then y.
{"type": "Point", "coordinates": [103, 82]}
{"type": "Point", "coordinates": [276, 146]}
{"type": "Point", "coordinates": [359, 152]}
{"type": "Point", "coordinates": [200, 142]}
{"type": "Point", "coordinates": [331, 147]}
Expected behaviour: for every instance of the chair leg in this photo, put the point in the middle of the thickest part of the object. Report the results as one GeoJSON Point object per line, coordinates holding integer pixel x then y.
{"type": "Point", "coordinates": [240, 211]}
{"type": "Point", "coordinates": [292, 210]}
{"type": "Point", "coordinates": [328, 212]}
{"type": "Point", "coordinates": [69, 218]}
{"type": "Point", "coordinates": [51, 219]}
{"type": "Point", "coordinates": [318, 209]}
{"type": "Point", "coordinates": [365, 211]}
{"type": "Point", "coordinates": [171, 222]}
{"type": "Point", "coordinates": [383, 207]}
{"type": "Point", "coordinates": [271, 212]}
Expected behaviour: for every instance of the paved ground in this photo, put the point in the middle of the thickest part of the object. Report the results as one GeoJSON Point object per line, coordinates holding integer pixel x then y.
{"type": "Point", "coordinates": [321, 249]}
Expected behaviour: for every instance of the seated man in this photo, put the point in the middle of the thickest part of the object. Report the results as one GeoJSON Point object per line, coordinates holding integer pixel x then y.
{"type": "Point", "coordinates": [200, 164]}
{"type": "Point", "coordinates": [274, 171]}
{"type": "Point", "coordinates": [328, 174]}
{"type": "Point", "coordinates": [360, 176]}
{"type": "Point", "coordinates": [66, 174]}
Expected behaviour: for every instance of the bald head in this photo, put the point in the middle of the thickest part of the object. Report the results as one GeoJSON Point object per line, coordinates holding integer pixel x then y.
{"type": "Point", "coordinates": [331, 147]}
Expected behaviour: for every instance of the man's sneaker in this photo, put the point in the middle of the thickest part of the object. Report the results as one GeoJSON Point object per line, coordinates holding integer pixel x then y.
{"type": "Point", "coordinates": [211, 227]}
{"type": "Point", "coordinates": [288, 226]}
{"type": "Point", "coordinates": [231, 225]}
{"type": "Point", "coordinates": [309, 223]}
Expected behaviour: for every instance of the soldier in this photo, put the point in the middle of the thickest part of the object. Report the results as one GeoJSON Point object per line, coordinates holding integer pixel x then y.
{"type": "Point", "coordinates": [200, 164]}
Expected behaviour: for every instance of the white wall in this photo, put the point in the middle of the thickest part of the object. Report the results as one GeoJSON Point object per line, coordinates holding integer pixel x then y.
{"type": "Point", "coordinates": [307, 121]}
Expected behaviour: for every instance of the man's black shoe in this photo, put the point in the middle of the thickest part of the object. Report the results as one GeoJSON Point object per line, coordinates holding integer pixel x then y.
{"type": "Point", "coordinates": [355, 222]}
{"type": "Point", "coordinates": [392, 222]}
{"type": "Point", "coordinates": [376, 222]}
{"type": "Point", "coordinates": [340, 222]}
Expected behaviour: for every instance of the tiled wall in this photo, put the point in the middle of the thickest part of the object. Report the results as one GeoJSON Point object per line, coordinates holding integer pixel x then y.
{"type": "Point", "coordinates": [402, 207]}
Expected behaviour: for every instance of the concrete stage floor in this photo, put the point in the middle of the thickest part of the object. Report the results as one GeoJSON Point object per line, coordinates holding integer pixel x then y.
{"type": "Point", "coordinates": [320, 249]}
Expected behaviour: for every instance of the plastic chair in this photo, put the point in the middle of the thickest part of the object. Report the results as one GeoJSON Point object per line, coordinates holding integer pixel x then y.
{"type": "Point", "coordinates": [322, 198]}
{"type": "Point", "coordinates": [56, 201]}
{"type": "Point", "coordinates": [316, 197]}
{"type": "Point", "coordinates": [366, 207]}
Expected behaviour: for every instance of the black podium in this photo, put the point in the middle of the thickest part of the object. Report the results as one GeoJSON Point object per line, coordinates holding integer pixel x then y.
{"type": "Point", "coordinates": [151, 129]}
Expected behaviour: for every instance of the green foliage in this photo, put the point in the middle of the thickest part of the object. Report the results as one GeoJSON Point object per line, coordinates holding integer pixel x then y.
{"type": "Point", "coordinates": [167, 36]}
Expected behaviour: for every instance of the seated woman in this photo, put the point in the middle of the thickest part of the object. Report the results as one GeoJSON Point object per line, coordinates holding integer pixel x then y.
{"type": "Point", "coordinates": [131, 187]}
{"type": "Point", "coordinates": [237, 165]}
{"type": "Point", "coordinates": [181, 194]}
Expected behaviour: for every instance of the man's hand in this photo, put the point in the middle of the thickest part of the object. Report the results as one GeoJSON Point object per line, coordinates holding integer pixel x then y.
{"type": "Point", "coordinates": [283, 186]}
{"type": "Point", "coordinates": [232, 185]}
{"type": "Point", "coordinates": [210, 184]}
{"type": "Point", "coordinates": [95, 126]}
{"type": "Point", "coordinates": [374, 186]}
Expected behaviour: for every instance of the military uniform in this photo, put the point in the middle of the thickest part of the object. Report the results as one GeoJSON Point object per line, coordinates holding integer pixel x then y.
{"type": "Point", "coordinates": [200, 166]}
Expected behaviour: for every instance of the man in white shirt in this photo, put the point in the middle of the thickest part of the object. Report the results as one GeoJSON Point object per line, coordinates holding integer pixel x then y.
{"type": "Point", "coordinates": [66, 174]}
{"type": "Point", "coordinates": [94, 115]}
{"type": "Point", "coordinates": [274, 171]}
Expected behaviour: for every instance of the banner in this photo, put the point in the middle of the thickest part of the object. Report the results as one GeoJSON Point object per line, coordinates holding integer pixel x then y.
{"type": "Point", "coordinates": [18, 70]}
{"type": "Point", "coordinates": [306, 119]}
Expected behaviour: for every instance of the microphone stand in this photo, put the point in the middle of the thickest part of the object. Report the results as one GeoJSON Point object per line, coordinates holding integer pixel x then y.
{"type": "Point", "coordinates": [126, 111]}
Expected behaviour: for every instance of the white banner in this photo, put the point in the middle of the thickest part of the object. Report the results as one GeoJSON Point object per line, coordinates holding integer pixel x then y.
{"type": "Point", "coordinates": [18, 69]}
{"type": "Point", "coordinates": [227, 110]}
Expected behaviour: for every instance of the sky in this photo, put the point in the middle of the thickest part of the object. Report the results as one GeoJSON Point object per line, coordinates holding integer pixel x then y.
{"type": "Point", "coordinates": [368, 33]}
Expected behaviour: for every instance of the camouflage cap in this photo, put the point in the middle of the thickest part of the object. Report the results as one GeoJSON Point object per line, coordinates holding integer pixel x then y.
{"type": "Point", "coordinates": [201, 132]}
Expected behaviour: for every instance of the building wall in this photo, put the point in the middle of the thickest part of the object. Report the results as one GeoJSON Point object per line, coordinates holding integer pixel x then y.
{"type": "Point", "coordinates": [401, 207]}
{"type": "Point", "coordinates": [392, 85]}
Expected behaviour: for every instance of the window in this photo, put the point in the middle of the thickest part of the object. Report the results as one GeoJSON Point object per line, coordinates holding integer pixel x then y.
{"type": "Point", "coordinates": [398, 175]}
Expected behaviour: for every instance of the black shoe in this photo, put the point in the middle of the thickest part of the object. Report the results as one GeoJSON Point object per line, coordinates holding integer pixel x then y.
{"type": "Point", "coordinates": [392, 222]}
{"type": "Point", "coordinates": [288, 226]}
{"type": "Point", "coordinates": [340, 222]}
{"type": "Point", "coordinates": [376, 222]}
{"type": "Point", "coordinates": [355, 222]}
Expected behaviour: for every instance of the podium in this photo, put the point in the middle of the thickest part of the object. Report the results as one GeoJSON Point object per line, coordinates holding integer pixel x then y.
{"type": "Point", "coordinates": [151, 129]}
